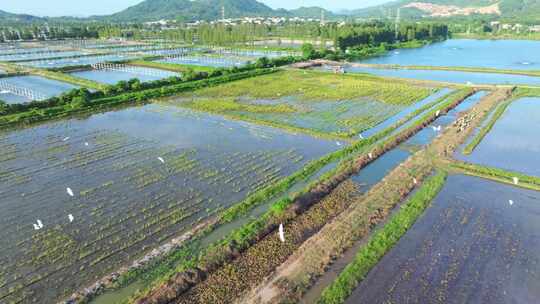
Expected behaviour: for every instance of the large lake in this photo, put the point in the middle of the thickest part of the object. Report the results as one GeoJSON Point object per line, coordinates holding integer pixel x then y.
{"type": "Point", "coordinates": [499, 54]}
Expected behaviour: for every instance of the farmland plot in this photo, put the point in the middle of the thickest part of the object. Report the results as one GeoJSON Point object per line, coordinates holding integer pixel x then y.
{"type": "Point", "coordinates": [109, 188]}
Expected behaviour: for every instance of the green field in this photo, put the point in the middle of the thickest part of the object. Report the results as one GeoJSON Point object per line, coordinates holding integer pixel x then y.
{"type": "Point", "coordinates": [308, 101]}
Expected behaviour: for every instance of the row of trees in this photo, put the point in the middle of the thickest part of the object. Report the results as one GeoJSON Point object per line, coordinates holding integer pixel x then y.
{"type": "Point", "coordinates": [43, 32]}
{"type": "Point", "coordinates": [377, 34]}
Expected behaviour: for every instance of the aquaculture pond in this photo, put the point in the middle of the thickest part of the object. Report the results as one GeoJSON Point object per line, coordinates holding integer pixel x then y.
{"type": "Point", "coordinates": [512, 143]}
{"type": "Point", "coordinates": [210, 61]}
{"type": "Point", "coordinates": [86, 60]}
{"type": "Point", "coordinates": [40, 55]}
{"type": "Point", "coordinates": [471, 246]}
{"type": "Point", "coordinates": [451, 76]}
{"type": "Point", "coordinates": [114, 75]}
{"type": "Point", "coordinates": [500, 54]}
{"type": "Point", "coordinates": [313, 101]}
{"type": "Point", "coordinates": [110, 187]}
{"type": "Point", "coordinates": [22, 89]}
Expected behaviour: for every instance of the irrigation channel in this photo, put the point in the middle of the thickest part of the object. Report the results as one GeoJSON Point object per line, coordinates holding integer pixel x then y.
{"type": "Point", "coordinates": [133, 188]}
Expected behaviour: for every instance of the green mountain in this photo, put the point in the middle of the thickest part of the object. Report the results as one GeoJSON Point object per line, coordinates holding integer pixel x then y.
{"type": "Point", "coordinates": [452, 8]}
{"type": "Point", "coordinates": [189, 10]}
{"type": "Point", "coordinates": [151, 10]}
{"type": "Point", "coordinates": [6, 17]}
{"type": "Point", "coordinates": [310, 12]}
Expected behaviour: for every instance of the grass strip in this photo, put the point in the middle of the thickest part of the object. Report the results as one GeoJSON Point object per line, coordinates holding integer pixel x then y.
{"type": "Point", "coordinates": [383, 241]}
{"type": "Point", "coordinates": [524, 181]}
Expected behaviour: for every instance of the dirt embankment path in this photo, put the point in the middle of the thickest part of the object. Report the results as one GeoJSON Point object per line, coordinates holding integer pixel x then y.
{"type": "Point", "coordinates": [292, 278]}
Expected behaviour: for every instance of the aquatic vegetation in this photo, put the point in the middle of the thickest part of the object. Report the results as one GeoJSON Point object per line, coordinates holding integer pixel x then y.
{"type": "Point", "coordinates": [313, 102]}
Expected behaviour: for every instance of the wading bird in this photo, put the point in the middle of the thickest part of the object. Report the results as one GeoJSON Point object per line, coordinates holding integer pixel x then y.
{"type": "Point", "coordinates": [71, 218]}
{"type": "Point", "coordinates": [516, 180]}
{"type": "Point", "coordinates": [70, 192]}
{"type": "Point", "coordinates": [438, 113]}
{"type": "Point", "coordinates": [281, 233]}
{"type": "Point", "coordinates": [511, 202]}
{"type": "Point", "coordinates": [338, 143]}
{"type": "Point", "coordinates": [40, 224]}
{"type": "Point", "coordinates": [65, 138]}
{"type": "Point", "coordinates": [161, 160]}
{"type": "Point", "coordinates": [36, 227]}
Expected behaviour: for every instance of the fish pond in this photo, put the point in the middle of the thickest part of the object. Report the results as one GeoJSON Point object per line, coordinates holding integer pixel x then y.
{"type": "Point", "coordinates": [499, 54]}
{"type": "Point", "coordinates": [108, 188]}
{"type": "Point", "coordinates": [114, 75]}
{"type": "Point", "coordinates": [512, 144]}
{"type": "Point", "coordinates": [21, 89]}
{"type": "Point", "coordinates": [471, 246]}
{"type": "Point", "coordinates": [209, 61]}
{"type": "Point", "coordinates": [86, 60]}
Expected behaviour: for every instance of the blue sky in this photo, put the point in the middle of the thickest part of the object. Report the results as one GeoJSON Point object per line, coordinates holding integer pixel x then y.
{"type": "Point", "coordinates": [102, 7]}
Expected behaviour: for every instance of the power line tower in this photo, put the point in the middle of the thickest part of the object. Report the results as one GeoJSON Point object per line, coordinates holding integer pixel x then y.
{"type": "Point", "coordinates": [398, 21]}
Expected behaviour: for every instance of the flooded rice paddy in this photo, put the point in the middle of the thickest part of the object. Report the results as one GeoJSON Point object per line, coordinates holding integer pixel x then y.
{"type": "Point", "coordinates": [499, 54]}
{"type": "Point", "coordinates": [133, 188]}
{"type": "Point", "coordinates": [21, 89]}
{"type": "Point", "coordinates": [471, 246]}
{"type": "Point", "coordinates": [512, 144]}
{"type": "Point", "coordinates": [451, 76]}
{"type": "Point", "coordinates": [110, 76]}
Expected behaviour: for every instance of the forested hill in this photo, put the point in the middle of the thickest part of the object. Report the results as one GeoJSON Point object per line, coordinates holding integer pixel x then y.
{"type": "Point", "coordinates": [452, 8]}
{"type": "Point", "coordinates": [6, 17]}
{"type": "Point", "coordinates": [188, 10]}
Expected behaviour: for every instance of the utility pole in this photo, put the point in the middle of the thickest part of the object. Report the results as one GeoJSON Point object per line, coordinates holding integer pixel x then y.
{"type": "Point", "coordinates": [223, 13]}
{"type": "Point", "coordinates": [323, 21]}
{"type": "Point", "coordinates": [398, 20]}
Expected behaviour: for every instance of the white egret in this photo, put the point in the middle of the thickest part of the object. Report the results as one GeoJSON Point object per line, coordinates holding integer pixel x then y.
{"type": "Point", "coordinates": [161, 160]}
{"type": "Point", "coordinates": [438, 113]}
{"type": "Point", "coordinates": [71, 218]}
{"type": "Point", "coordinates": [70, 192]}
{"type": "Point", "coordinates": [338, 143]}
{"type": "Point", "coordinates": [65, 138]}
{"type": "Point", "coordinates": [370, 155]}
{"type": "Point", "coordinates": [360, 136]}
{"type": "Point", "coordinates": [86, 144]}
{"type": "Point", "coordinates": [516, 180]}
{"type": "Point", "coordinates": [415, 181]}
{"type": "Point", "coordinates": [36, 227]}
{"type": "Point", "coordinates": [40, 224]}
{"type": "Point", "coordinates": [281, 233]}
{"type": "Point", "coordinates": [511, 202]}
